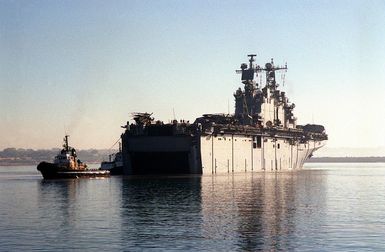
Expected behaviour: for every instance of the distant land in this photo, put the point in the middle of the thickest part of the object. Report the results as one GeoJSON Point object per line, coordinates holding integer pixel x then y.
{"type": "Point", "coordinates": [378, 151]}
{"type": "Point", "coordinates": [348, 155]}
{"type": "Point", "coordinates": [13, 156]}
{"type": "Point", "coordinates": [346, 160]}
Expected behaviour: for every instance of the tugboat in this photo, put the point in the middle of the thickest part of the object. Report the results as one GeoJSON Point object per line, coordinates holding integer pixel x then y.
{"type": "Point", "coordinates": [66, 165]}
{"type": "Point", "coordinates": [115, 163]}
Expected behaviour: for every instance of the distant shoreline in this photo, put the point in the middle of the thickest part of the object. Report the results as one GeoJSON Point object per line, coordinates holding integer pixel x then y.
{"type": "Point", "coordinates": [32, 164]}
{"type": "Point", "coordinates": [22, 157]}
{"type": "Point", "coordinates": [346, 160]}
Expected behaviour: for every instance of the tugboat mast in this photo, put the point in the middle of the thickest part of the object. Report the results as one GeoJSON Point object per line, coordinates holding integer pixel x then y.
{"type": "Point", "coordinates": [66, 146]}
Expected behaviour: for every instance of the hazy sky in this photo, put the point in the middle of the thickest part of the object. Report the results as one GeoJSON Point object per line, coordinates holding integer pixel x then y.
{"type": "Point", "coordinates": [82, 67]}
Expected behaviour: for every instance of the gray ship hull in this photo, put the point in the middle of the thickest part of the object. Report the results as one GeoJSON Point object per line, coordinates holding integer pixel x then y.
{"type": "Point", "coordinates": [209, 154]}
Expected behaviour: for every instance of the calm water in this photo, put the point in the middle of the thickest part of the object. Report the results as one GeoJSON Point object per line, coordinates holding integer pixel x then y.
{"type": "Point", "coordinates": [326, 207]}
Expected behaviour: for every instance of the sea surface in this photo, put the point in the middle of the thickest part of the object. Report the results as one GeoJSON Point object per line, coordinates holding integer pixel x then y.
{"type": "Point", "coordinates": [325, 207]}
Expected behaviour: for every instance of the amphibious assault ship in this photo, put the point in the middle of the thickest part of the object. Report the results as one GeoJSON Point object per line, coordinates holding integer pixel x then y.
{"type": "Point", "coordinates": [262, 134]}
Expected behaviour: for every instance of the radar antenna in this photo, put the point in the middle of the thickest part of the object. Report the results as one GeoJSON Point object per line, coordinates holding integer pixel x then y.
{"type": "Point", "coordinates": [248, 73]}
{"type": "Point", "coordinates": [251, 60]}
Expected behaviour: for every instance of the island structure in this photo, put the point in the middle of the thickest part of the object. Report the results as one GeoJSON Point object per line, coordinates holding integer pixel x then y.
{"type": "Point", "coordinates": [262, 134]}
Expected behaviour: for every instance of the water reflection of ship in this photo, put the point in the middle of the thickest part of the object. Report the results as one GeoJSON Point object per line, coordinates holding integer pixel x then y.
{"type": "Point", "coordinates": [160, 210]}
{"type": "Point", "coordinates": [62, 194]}
{"type": "Point", "coordinates": [70, 210]}
{"type": "Point", "coordinates": [265, 211]}
{"type": "Point", "coordinates": [267, 215]}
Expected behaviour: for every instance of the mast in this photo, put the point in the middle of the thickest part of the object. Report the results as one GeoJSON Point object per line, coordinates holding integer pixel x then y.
{"type": "Point", "coordinates": [66, 146]}
{"type": "Point", "coordinates": [248, 101]}
{"type": "Point", "coordinates": [270, 73]}
{"type": "Point", "coordinates": [248, 71]}
{"type": "Point", "coordinates": [251, 60]}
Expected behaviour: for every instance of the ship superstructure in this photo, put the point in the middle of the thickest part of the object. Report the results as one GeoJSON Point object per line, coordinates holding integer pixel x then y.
{"type": "Point", "coordinates": [261, 135]}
